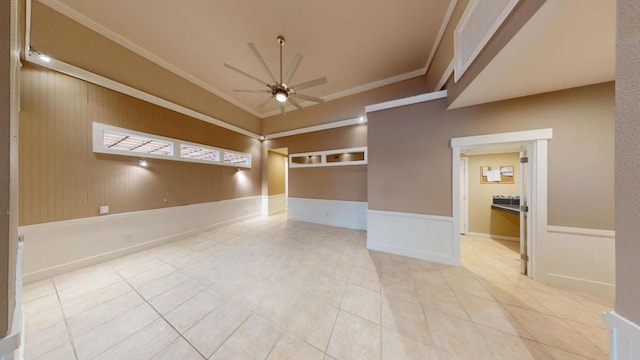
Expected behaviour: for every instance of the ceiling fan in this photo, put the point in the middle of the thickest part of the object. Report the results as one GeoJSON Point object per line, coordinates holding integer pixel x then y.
{"type": "Point", "coordinates": [281, 90]}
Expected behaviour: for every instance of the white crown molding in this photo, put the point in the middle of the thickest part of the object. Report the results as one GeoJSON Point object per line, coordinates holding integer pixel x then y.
{"type": "Point", "coordinates": [443, 28]}
{"type": "Point", "coordinates": [327, 126]}
{"type": "Point", "coordinates": [82, 74]}
{"type": "Point", "coordinates": [356, 90]}
{"type": "Point", "coordinates": [406, 101]}
{"type": "Point", "coordinates": [119, 39]}
{"type": "Point", "coordinates": [445, 76]}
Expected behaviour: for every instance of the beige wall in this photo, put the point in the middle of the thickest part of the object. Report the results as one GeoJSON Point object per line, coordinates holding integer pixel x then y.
{"type": "Point", "coordinates": [627, 160]}
{"type": "Point", "coordinates": [483, 219]}
{"type": "Point", "coordinates": [61, 178]}
{"type": "Point", "coordinates": [410, 158]}
{"type": "Point", "coordinates": [71, 42]}
{"type": "Point", "coordinates": [276, 171]}
{"type": "Point", "coordinates": [444, 53]}
{"type": "Point", "coordinates": [347, 183]}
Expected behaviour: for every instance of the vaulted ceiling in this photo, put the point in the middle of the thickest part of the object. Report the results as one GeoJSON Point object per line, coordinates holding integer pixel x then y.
{"type": "Point", "coordinates": [355, 44]}
{"type": "Point", "coordinates": [358, 45]}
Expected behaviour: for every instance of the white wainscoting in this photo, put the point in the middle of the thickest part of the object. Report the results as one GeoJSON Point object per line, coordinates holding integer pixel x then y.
{"type": "Point", "coordinates": [424, 237]}
{"type": "Point", "coordinates": [277, 204]}
{"type": "Point", "coordinates": [624, 337]}
{"type": "Point", "coordinates": [579, 258]}
{"type": "Point", "coordinates": [347, 214]}
{"type": "Point", "coordinates": [57, 247]}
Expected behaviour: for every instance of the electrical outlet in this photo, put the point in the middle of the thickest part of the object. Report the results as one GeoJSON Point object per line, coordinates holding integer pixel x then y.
{"type": "Point", "coordinates": [104, 209]}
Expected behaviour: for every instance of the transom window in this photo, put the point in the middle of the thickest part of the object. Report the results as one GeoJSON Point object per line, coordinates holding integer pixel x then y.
{"type": "Point", "coordinates": [113, 140]}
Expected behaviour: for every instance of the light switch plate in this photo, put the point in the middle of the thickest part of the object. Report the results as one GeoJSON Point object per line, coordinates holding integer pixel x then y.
{"type": "Point", "coordinates": [104, 209]}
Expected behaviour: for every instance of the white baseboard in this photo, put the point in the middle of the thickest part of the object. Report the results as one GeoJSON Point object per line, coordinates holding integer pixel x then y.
{"type": "Point", "coordinates": [58, 247]}
{"type": "Point", "coordinates": [496, 237]}
{"type": "Point", "coordinates": [624, 337]}
{"type": "Point", "coordinates": [424, 237]}
{"type": "Point", "coordinates": [578, 258]}
{"type": "Point", "coordinates": [347, 214]}
{"type": "Point", "coordinates": [277, 204]}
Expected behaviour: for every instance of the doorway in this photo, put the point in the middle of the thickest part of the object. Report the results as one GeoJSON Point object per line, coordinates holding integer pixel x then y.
{"type": "Point", "coordinates": [492, 221]}
{"type": "Point", "coordinates": [535, 222]}
{"type": "Point", "coordinates": [278, 180]}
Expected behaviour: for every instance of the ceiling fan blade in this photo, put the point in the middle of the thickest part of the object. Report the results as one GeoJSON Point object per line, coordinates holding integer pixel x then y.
{"type": "Point", "coordinates": [295, 103]}
{"type": "Point", "coordinates": [292, 69]}
{"type": "Point", "coordinates": [266, 101]}
{"type": "Point", "coordinates": [310, 98]}
{"type": "Point", "coordinates": [312, 83]}
{"type": "Point", "coordinates": [253, 91]}
{"type": "Point", "coordinates": [245, 74]}
{"type": "Point", "coordinates": [261, 61]}
{"type": "Point", "coordinates": [282, 109]}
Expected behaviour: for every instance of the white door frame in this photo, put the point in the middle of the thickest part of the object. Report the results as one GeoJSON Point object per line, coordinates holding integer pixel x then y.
{"type": "Point", "coordinates": [464, 210]}
{"type": "Point", "coordinates": [537, 219]}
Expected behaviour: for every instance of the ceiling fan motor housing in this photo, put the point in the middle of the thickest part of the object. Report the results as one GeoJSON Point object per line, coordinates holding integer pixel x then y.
{"type": "Point", "coordinates": [280, 90]}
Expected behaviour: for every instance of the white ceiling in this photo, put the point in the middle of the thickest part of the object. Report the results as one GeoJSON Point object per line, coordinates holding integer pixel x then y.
{"type": "Point", "coordinates": [355, 44]}
{"type": "Point", "coordinates": [567, 43]}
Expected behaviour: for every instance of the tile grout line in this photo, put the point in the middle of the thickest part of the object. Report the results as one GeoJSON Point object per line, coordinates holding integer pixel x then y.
{"type": "Point", "coordinates": [66, 324]}
{"type": "Point", "coordinates": [326, 353]}
{"type": "Point", "coordinates": [230, 335]}
{"type": "Point", "coordinates": [161, 317]}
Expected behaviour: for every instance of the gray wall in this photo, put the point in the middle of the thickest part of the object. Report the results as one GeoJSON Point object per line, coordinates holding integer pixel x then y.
{"type": "Point", "coordinates": [628, 161]}
{"type": "Point", "coordinates": [410, 159]}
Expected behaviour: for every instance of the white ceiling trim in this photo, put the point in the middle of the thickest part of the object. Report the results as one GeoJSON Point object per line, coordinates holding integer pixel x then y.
{"type": "Point", "coordinates": [118, 39]}
{"type": "Point", "coordinates": [406, 101]}
{"type": "Point", "coordinates": [81, 74]}
{"type": "Point", "coordinates": [445, 76]}
{"type": "Point", "coordinates": [327, 126]}
{"type": "Point", "coordinates": [443, 28]}
{"type": "Point", "coordinates": [357, 90]}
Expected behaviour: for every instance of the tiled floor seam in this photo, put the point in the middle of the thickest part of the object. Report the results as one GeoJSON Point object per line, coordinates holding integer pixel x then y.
{"type": "Point", "coordinates": [326, 350]}
{"type": "Point", "coordinates": [161, 317]}
{"type": "Point", "coordinates": [66, 323]}
{"type": "Point", "coordinates": [230, 335]}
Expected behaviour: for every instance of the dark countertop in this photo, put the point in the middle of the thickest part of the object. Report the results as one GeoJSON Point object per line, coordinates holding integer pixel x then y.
{"type": "Point", "coordinates": [512, 209]}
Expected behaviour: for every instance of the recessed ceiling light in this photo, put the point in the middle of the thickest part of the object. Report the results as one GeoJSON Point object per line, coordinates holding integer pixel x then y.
{"type": "Point", "coordinates": [143, 163]}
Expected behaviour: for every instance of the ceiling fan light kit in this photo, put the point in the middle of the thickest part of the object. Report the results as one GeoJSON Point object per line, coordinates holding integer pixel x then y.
{"type": "Point", "coordinates": [281, 91]}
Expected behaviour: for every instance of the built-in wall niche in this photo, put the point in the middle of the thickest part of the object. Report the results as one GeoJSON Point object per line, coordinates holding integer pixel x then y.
{"type": "Point", "coordinates": [119, 141]}
{"type": "Point", "coordinates": [338, 157]}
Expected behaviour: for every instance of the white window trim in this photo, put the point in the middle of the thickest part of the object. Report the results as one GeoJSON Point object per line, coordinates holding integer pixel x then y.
{"type": "Point", "coordinates": [323, 155]}
{"type": "Point", "coordinates": [98, 147]}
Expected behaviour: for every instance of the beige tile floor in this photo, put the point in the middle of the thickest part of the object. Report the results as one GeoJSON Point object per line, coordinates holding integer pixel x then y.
{"type": "Point", "coordinates": [269, 288]}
